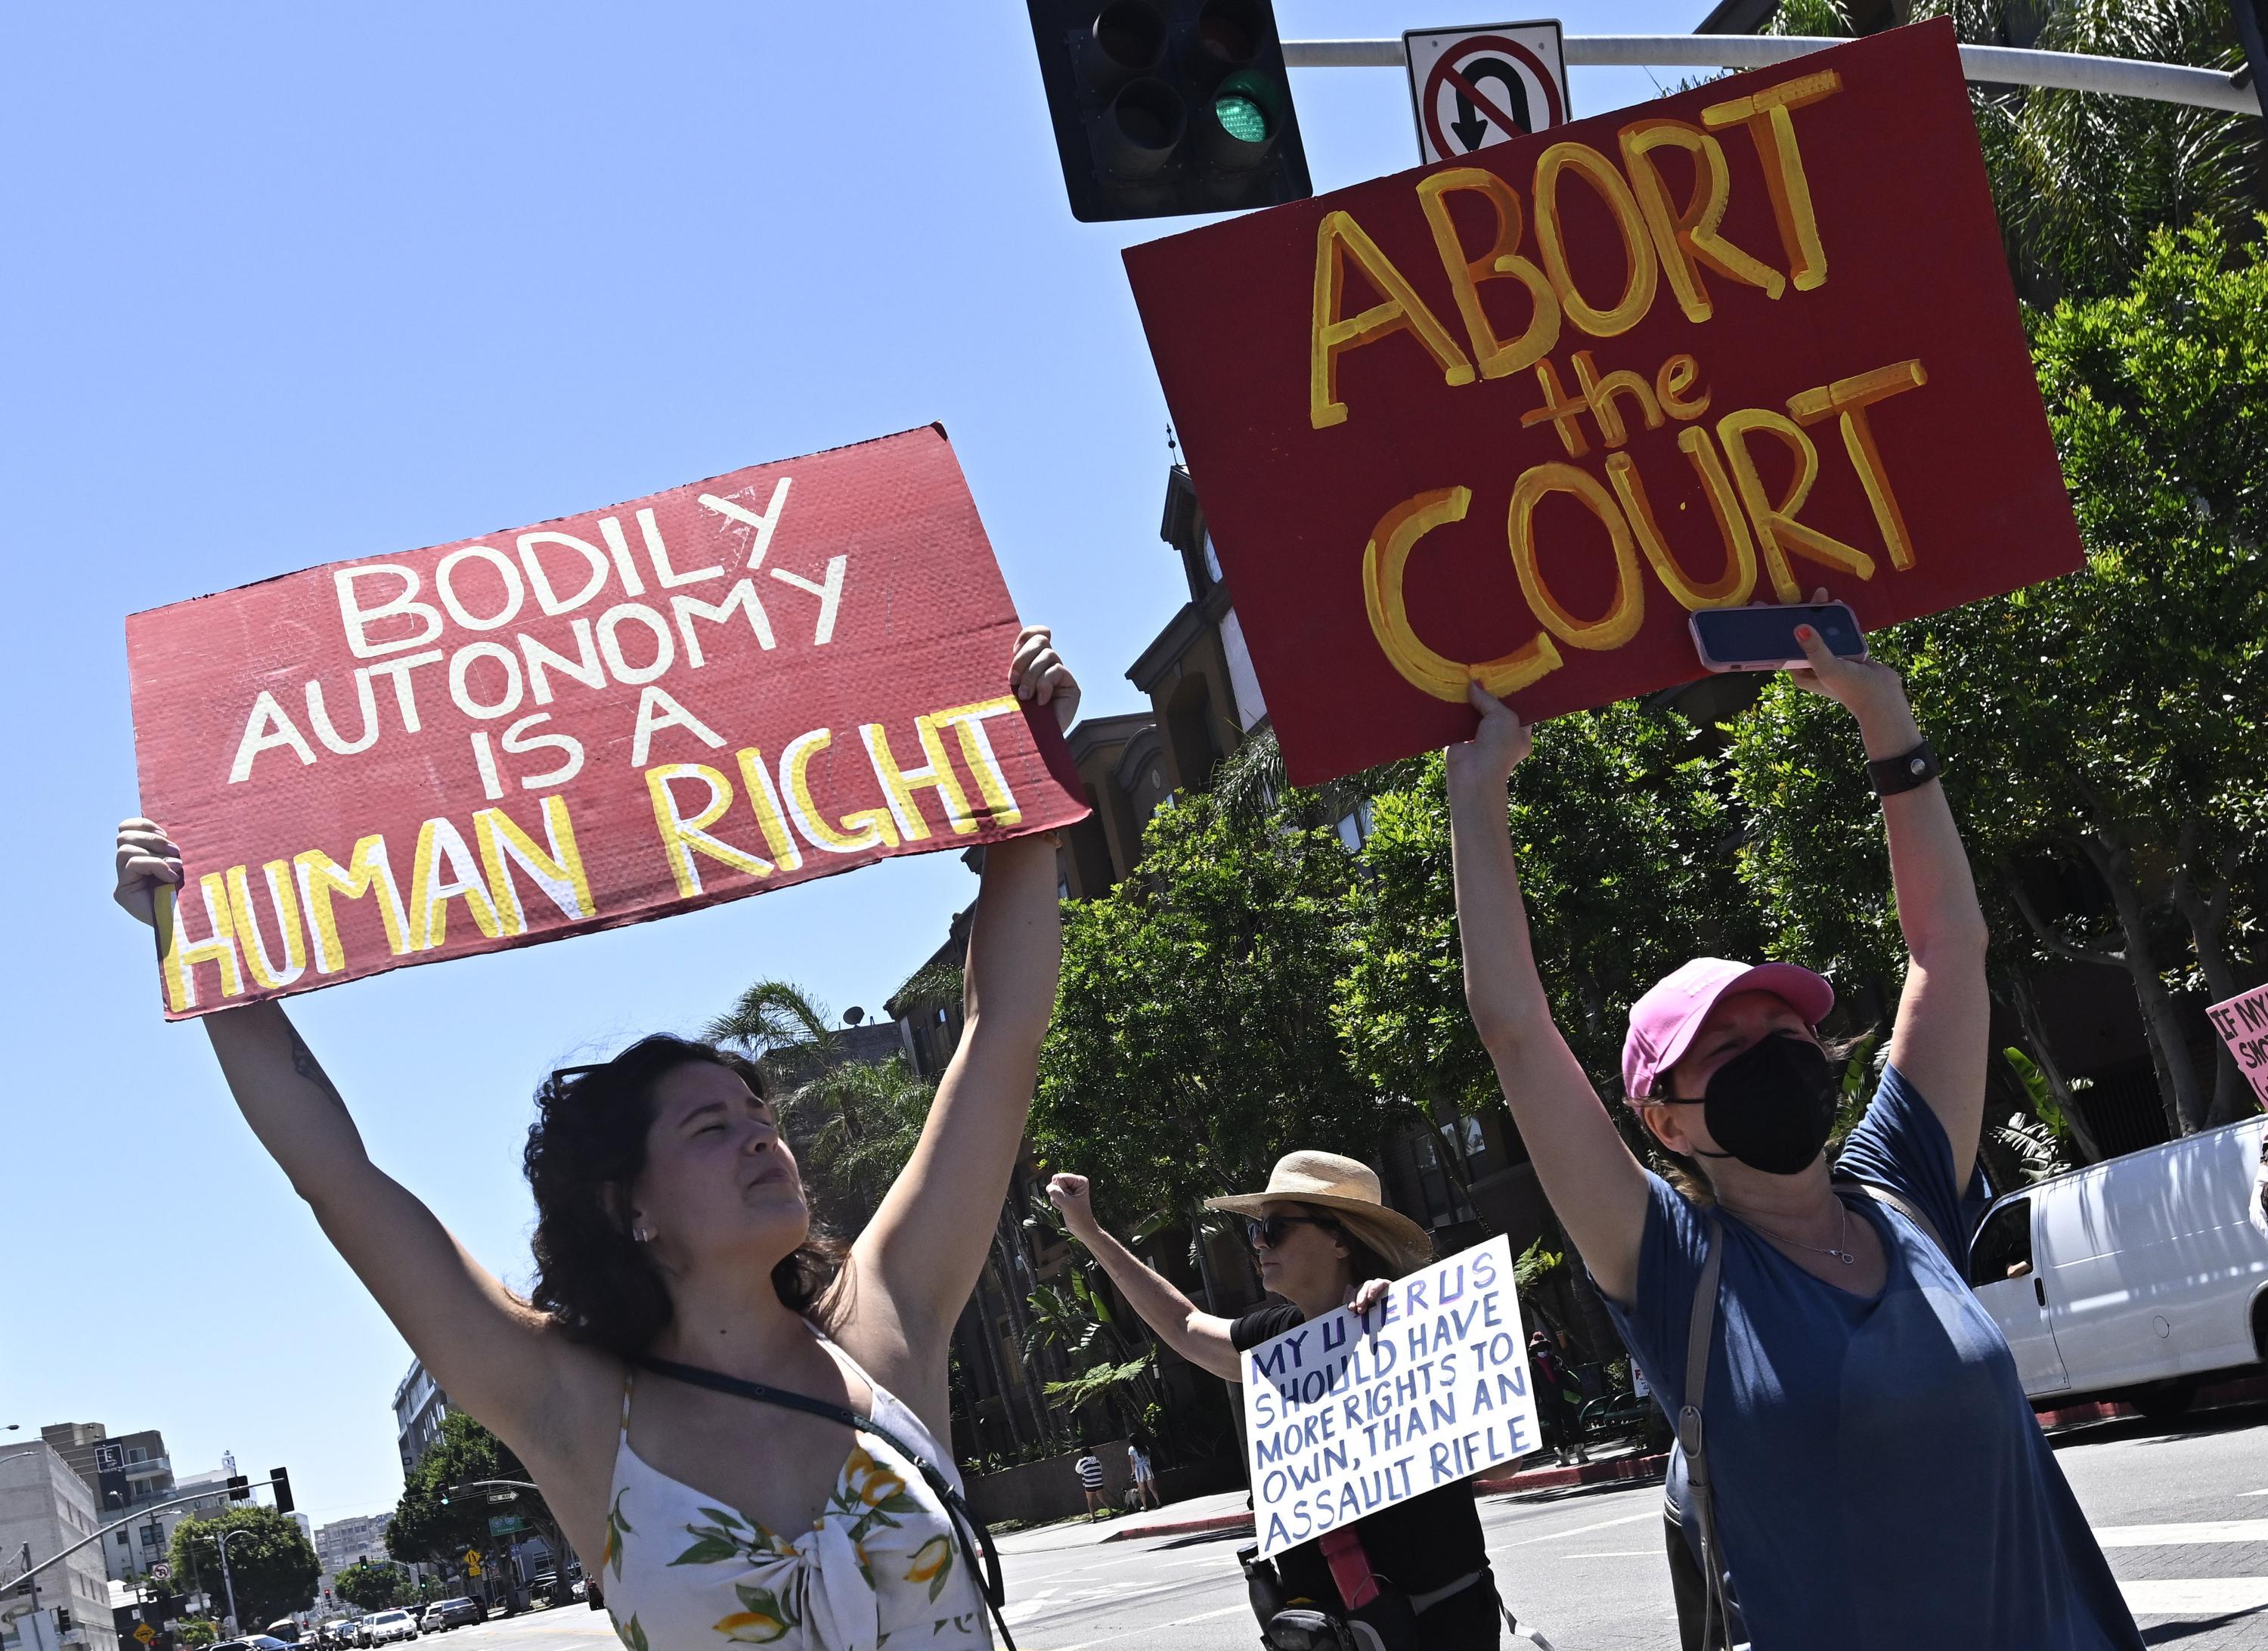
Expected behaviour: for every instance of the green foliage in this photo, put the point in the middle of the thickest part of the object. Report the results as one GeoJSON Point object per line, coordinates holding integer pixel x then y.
{"type": "Point", "coordinates": [1192, 1042]}
{"type": "Point", "coordinates": [855, 1124]}
{"type": "Point", "coordinates": [374, 1585]}
{"type": "Point", "coordinates": [2038, 1094]}
{"type": "Point", "coordinates": [2033, 1144]}
{"type": "Point", "coordinates": [426, 1529]}
{"type": "Point", "coordinates": [1103, 1381]}
{"type": "Point", "coordinates": [777, 1025]}
{"type": "Point", "coordinates": [196, 1630]}
{"type": "Point", "coordinates": [2082, 182]}
{"type": "Point", "coordinates": [1621, 829]}
{"type": "Point", "coordinates": [273, 1569]}
{"type": "Point", "coordinates": [1536, 1266]}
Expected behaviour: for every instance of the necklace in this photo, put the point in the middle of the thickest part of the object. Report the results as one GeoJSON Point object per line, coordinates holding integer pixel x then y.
{"type": "Point", "coordinates": [1841, 1237]}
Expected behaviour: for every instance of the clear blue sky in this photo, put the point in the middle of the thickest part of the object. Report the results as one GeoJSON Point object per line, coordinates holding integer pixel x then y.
{"type": "Point", "coordinates": [285, 284]}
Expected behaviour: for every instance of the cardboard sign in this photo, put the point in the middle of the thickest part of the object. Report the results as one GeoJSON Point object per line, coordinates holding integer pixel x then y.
{"type": "Point", "coordinates": [2243, 1023]}
{"type": "Point", "coordinates": [1349, 1413]}
{"type": "Point", "coordinates": [725, 689]}
{"type": "Point", "coordinates": [1511, 417]}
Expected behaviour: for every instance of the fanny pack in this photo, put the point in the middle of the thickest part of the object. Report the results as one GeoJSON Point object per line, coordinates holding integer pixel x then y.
{"type": "Point", "coordinates": [975, 1541]}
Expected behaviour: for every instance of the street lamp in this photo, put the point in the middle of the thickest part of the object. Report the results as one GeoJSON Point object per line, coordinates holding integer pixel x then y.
{"type": "Point", "coordinates": [233, 1625]}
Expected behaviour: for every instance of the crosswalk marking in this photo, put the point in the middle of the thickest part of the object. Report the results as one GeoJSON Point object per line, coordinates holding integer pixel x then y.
{"type": "Point", "coordinates": [2181, 1535]}
{"type": "Point", "coordinates": [2202, 1596]}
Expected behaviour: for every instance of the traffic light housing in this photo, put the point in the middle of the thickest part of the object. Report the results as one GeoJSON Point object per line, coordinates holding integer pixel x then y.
{"type": "Point", "coordinates": [1170, 107]}
{"type": "Point", "coordinates": [240, 1488]}
{"type": "Point", "coordinates": [62, 1619]}
{"type": "Point", "coordinates": [282, 1479]}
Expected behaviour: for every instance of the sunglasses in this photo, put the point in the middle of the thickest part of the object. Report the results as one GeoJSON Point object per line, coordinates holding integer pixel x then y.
{"type": "Point", "coordinates": [1270, 1230]}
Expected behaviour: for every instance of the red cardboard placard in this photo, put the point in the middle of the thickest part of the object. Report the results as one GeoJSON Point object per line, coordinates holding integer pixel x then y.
{"type": "Point", "coordinates": [747, 683]}
{"type": "Point", "coordinates": [1513, 417]}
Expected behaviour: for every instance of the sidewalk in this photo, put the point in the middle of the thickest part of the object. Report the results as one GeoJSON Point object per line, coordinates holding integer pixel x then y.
{"type": "Point", "coordinates": [1228, 1510]}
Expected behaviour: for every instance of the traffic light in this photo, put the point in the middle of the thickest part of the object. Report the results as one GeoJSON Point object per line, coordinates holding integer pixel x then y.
{"type": "Point", "coordinates": [283, 1482]}
{"type": "Point", "coordinates": [240, 1488]}
{"type": "Point", "coordinates": [1166, 106]}
{"type": "Point", "coordinates": [2252, 33]}
{"type": "Point", "coordinates": [62, 1619]}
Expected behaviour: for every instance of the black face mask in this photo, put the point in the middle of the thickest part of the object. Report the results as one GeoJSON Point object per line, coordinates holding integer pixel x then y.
{"type": "Point", "coordinates": [1773, 1106]}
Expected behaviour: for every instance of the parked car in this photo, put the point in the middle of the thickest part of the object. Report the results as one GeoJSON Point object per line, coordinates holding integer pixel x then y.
{"type": "Point", "coordinates": [2133, 1277]}
{"type": "Point", "coordinates": [451, 1613]}
{"type": "Point", "coordinates": [252, 1643]}
{"type": "Point", "coordinates": [385, 1627]}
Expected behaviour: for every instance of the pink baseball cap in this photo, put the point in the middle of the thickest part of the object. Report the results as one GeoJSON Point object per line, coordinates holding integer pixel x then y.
{"type": "Point", "coordinates": [1663, 1023]}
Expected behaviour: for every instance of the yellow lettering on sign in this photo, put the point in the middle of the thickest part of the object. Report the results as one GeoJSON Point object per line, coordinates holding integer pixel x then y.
{"type": "Point", "coordinates": [1738, 582]}
{"type": "Point", "coordinates": [367, 873]}
{"type": "Point", "coordinates": [1641, 269]}
{"type": "Point", "coordinates": [1501, 261]}
{"type": "Point", "coordinates": [1337, 238]}
{"type": "Point", "coordinates": [1384, 561]}
{"type": "Point", "coordinates": [1767, 115]}
{"type": "Point", "coordinates": [1621, 620]}
{"type": "Point", "coordinates": [1850, 398]}
{"type": "Point", "coordinates": [1777, 530]}
{"type": "Point", "coordinates": [1686, 237]}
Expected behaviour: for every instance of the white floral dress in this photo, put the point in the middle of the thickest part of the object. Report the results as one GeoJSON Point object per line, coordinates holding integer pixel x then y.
{"type": "Point", "coordinates": [880, 1568]}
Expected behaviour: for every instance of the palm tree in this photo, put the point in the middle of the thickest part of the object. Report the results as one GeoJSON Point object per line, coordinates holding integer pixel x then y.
{"type": "Point", "coordinates": [779, 1026]}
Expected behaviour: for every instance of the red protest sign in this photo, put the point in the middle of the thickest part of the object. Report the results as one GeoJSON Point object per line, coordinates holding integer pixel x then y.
{"type": "Point", "coordinates": [2243, 1023]}
{"type": "Point", "coordinates": [1513, 417]}
{"type": "Point", "coordinates": [750, 681]}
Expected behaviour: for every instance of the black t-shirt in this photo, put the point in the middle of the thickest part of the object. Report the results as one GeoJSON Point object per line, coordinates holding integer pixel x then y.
{"type": "Point", "coordinates": [1424, 1544]}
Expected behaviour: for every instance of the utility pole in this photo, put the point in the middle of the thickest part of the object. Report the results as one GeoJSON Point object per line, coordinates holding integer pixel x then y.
{"type": "Point", "coordinates": [234, 1626]}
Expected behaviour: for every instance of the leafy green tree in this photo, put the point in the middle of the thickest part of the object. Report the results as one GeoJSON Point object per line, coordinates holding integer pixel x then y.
{"type": "Point", "coordinates": [855, 1123]}
{"type": "Point", "coordinates": [273, 1569]}
{"type": "Point", "coordinates": [2082, 182]}
{"type": "Point", "coordinates": [374, 1585]}
{"type": "Point", "coordinates": [1193, 1041]}
{"type": "Point", "coordinates": [1622, 829]}
{"type": "Point", "coordinates": [196, 1630]}
{"type": "Point", "coordinates": [443, 1512]}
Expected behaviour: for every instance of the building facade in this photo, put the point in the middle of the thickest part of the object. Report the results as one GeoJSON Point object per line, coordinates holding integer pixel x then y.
{"type": "Point", "coordinates": [419, 1404]}
{"type": "Point", "coordinates": [46, 1506]}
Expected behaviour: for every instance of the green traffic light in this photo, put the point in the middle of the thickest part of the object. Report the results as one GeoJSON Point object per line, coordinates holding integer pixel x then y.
{"type": "Point", "coordinates": [1241, 117]}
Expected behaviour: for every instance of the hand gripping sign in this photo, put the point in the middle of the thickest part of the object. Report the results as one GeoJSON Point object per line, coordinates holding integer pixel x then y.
{"type": "Point", "coordinates": [720, 689]}
{"type": "Point", "coordinates": [1353, 1412]}
{"type": "Point", "coordinates": [1509, 418]}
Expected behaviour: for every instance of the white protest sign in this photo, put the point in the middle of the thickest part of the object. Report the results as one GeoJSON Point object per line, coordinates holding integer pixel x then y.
{"type": "Point", "coordinates": [1349, 1414]}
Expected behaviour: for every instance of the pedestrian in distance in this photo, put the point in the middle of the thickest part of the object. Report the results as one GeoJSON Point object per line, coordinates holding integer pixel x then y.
{"type": "Point", "coordinates": [1871, 1475]}
{"type": "Point", "coordinates": [676, 1264]}
{"type": "Point", "coordinates": [1145, 1482]}
{"type": "Point", "coordinates": [1556, 1401]}
{"type": "Point", "coordinates": [1089, 1469]}
{"type": "Point", "coordinates": [1324, 1239]}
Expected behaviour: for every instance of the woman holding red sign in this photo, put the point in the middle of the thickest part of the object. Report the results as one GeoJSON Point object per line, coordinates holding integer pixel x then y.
{"type": "Point", "coordinates": [1865, 1465]}
{"type": "Point", "coordinates": [673, 1243]}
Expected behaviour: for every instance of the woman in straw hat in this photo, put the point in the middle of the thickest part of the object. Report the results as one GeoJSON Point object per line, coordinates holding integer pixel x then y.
{"type": "Point", "coordinates": [1876, 1477]}
{"type": "Point", "coordinates": [1324, 1240]}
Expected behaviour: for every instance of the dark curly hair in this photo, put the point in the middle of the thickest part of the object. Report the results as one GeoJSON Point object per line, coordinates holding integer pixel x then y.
{"type": "Point", "coordinates": [586, 1147]}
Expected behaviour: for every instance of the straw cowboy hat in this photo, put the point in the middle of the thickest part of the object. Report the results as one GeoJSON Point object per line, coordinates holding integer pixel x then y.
{"type": "Point", "coordinates": [1349, 1190]}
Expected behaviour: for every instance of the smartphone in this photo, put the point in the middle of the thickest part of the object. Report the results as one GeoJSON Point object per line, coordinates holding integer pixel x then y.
{"type": "Point", "coordinates": [1762, 637]}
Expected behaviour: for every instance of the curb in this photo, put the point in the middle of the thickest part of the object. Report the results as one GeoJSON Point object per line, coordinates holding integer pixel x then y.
{"type": "Point", "coordinates": [2248, 1391]}
{"type": "Point", "coordinates": [1620, 1468]}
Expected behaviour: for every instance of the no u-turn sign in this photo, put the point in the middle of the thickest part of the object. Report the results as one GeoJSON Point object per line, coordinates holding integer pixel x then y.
{"type": "Point", "coordinates": [1472, 87]}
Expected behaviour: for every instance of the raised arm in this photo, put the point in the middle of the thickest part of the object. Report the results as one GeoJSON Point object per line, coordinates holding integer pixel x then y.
{"type": "Point", "coordinates": [1199, 1336]}
{"type": "Point", "coordinates": [1595, 1185]}
{"type": "Point", "coordinates": [923, 1251]}
{"type": "Point", "coordinates": [490, 1351]}
{"type": "Point", "coordinates": [1942, 1038]}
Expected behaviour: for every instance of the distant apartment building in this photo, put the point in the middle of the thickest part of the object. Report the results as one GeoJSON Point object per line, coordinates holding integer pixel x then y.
{"type": "Point", "coordinates": [419, 1404]}
{"type": "Point", "coordinates": [47, 1505]}
{"type": "Point", "coordinates": [343, 1541]}
{"type": "Point", "coordinates": [120, 1470]}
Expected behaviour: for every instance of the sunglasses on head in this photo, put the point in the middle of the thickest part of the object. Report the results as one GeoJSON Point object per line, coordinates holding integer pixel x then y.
{"type": "Point", "coordinates": [1270, 1230]}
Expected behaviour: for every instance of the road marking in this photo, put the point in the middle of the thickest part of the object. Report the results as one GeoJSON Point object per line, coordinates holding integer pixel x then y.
{"type": "Point", "coordinates": [2202, 1530]}
{"type": "Point", "coordinates": [1618, 1553]}
{"type": "Point", "coordinates": [1627, 1519]}
{"type": "Point", "coordinates": [2211, 1596]}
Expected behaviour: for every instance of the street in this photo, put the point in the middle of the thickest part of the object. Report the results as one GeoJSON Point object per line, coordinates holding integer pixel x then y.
{"type": "Point", "coordinates": [2182, 1511]}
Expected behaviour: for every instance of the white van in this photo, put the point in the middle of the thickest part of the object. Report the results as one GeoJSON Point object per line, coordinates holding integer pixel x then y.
{"type": "Point", "coordinates": [2134, 1277]}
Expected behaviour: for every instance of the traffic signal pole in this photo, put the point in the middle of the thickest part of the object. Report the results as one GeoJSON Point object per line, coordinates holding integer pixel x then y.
{"type": "Point", "coordinates": [24, 1577]}
{"type": "Point", "coordinates": [2238, 94]}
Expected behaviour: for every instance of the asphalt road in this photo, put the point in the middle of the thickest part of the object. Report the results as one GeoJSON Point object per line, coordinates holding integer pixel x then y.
{"type": "Point", "coordinates": [2182, 1511]}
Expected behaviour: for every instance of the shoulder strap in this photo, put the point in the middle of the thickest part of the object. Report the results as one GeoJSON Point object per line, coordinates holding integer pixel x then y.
{"type": "Point", "coordinates": [1904, 1207]}
{"type": "Point", "coordinates": [975, 1541]}
{"type": "Point", "coordinates": [1691, 1439]}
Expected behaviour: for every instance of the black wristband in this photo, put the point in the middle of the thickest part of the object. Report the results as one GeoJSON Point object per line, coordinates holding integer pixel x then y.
{"type": "Point", "coordinates": [1907, 771]}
